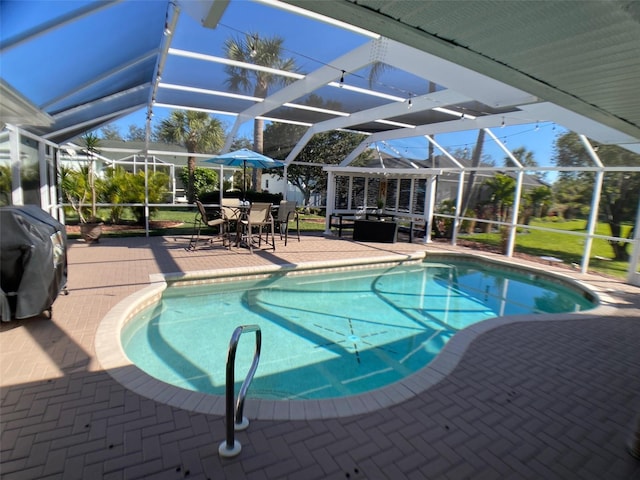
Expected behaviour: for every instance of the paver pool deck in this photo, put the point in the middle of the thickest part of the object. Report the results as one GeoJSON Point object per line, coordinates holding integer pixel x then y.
{"type": "Point", "coordinates": [528, 400]}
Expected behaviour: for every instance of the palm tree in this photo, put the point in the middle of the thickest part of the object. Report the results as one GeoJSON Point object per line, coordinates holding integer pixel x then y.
{"type": "Point", "coordinates": [266, 52]}
{"type": "Point", "coordinates": [526, 159]}
{"type": "Point", "coordinates": [92, 145]}
{"type": "Point", "coordinates": [197, 132]}
{"type": "Point", "coordinates": [502, 188]}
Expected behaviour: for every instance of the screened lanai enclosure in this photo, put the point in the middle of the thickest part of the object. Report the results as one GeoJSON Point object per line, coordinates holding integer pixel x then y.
{"type": "Point", "coordinates": [424, 105]}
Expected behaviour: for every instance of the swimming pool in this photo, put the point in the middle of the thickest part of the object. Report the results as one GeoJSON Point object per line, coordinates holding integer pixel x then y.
{"type": "Point", "coordinates": [332, 334]}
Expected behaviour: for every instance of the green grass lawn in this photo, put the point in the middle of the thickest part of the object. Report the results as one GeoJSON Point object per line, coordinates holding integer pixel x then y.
{"type": "Point", "coordinates": [569, 248]}
{"type": "Point", "coordinates": [529, 241]}
{"type": "Point", "coordinates": [183, 216]}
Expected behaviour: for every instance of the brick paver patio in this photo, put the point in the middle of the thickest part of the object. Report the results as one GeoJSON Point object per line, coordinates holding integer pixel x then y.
{"type": "Point", "coordinates": [528, 400]}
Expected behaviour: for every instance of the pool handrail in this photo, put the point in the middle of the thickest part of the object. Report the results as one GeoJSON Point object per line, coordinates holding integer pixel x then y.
{"type": "Point", "coordinates": [231, 447]}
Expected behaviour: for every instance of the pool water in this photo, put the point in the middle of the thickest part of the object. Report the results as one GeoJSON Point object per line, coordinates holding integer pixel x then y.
{"type": "Point", "coordinates": [327, 335]}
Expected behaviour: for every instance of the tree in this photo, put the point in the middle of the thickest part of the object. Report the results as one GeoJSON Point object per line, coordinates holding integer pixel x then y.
{"type": "Point", "coordinates": [620, 190]}
{"type": "Point", "coordinates": [5, 185]}
{"type": "Point", "coordinates": [197, 132]}
{"type": "Point", "coordinates": [205, 180]}
{"type": "Point", "coordinates": [136, 134]}
{"type": "Point", "coordinates": [324, 148]}
{"type": "Point", "coordinates": [238, 175]}
{"type": "Point", "coordinates": [266, 52]}
{"type": "Point", "coordinates": [240, 143]}
{"type": "Point", "coordinates": [619, 200]}
{"type": "Point", "coordinates": [572, 196]}
{"type": "Point", "coordinates": [116, 189]}
{"type": "Point", "coordinates": [539, 198]}
{"type": "Point", "coordinates": [526, 159]}
{"type": "Point", "coordinates": [502, 189]}
{"type": "Point", "coordinates": [110, 132]}
{"type": "Point", "coordinates": [75, 188]}
{"type": "Point", "coordinates": [91, 148]}
{"type": "Point", "coordinates": [156, 188]}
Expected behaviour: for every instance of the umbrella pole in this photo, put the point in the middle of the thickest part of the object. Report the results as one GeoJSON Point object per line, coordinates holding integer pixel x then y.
{"type": "Point", "coordinates": [244, 180]}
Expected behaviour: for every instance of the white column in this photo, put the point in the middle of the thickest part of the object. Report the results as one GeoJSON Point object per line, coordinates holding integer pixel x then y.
{"type": "Point", "coordinates": [147, 137]}
{"type": "Point", "coordinates": [331, 201]}
{"type": "Point", "coordinates": [429, 207]}
{"type": "Point", "coordinates": [17, 198]}
{"type": "Point", "coordinates": [456, 221]}
{"type": "Point", "coordinates": [593, 220]}
{"type": "Point", "coordinates": [45, 200]}
{"type": "Point", "coordinates": [595, 202]}
{"type": "Point", "coordinates": [514, 217]}
{"type": "Point", "coordinates": [633, 275]}
{"type": "Point", "coordinates": [411, 192]}
{"type": "Point", "coordinates": [172, 169]}
{"type": "Point", "coordinates": [56, 194]}
{"type": "Point", "coordinates": [52, 190]}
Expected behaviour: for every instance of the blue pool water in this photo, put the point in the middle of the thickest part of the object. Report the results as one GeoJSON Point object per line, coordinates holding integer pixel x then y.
{"type": "Point", "coordinates": [328, 335]}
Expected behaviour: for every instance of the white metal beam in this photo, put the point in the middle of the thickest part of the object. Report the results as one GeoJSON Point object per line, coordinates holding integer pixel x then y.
{"type": "Point", "coordinates": [214, 14]}
{"type": "Point", "coordinates": [579, 124]}
{"type": "Point", "coordinates": [94, 121]}
{"type": "Point", "coordinates": [352, 61]}
{"type": "Point", "coordinates": [452, 76]}
{"type": "Point", "coordinates": [449, 127]}
{"type": "Point", "coordinates": [421, 103]}
{"type": "Point", "coordinates": [98, 101]}
{"type": "Point", "coordinates": [504, 148]}
{"type": "Point", "coordinates": [445, 152]}
{"type": "Point", "coordinates": [397, 172]}
{"type": "Point", "coordinates": [55, 23]}
{"type": "Point", "coordinates": [105, 76]}
{"type": "Point", "coordinates": [591, 151]}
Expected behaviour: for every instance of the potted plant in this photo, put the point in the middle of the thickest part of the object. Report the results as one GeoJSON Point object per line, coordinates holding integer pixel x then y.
{"type": "Point", "coordinates": [380, 205]}
{"type": "Point", "coordinates": [91, 229]}
{"type": "Point", "coordinates": [80, 186]}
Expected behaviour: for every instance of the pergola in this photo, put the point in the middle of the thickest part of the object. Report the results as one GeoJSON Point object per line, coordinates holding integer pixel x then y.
{"type": "Point", "coordinates": [388, 69]}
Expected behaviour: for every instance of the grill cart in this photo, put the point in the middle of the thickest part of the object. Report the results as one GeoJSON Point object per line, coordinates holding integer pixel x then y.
{"type": "Point", "coordinates": [33, 261]}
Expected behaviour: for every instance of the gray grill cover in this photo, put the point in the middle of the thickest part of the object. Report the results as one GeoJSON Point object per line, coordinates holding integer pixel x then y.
{"type": "Point", "coordinates": [33, 261]}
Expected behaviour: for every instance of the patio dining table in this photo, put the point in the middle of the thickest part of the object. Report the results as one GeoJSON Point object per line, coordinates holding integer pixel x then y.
{"type": "Point", "coordinates": [242, 236]}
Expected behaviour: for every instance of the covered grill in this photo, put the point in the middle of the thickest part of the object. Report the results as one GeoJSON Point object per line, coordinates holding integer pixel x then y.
{"type": "Point", "coordinates": [33, 261]}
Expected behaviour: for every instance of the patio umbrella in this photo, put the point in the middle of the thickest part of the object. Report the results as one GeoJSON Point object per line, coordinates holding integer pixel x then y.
{"type": "Point", "coordinates": [242, 158]}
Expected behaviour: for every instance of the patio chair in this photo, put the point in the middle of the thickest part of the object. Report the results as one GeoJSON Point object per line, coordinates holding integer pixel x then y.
{"type": "Point", "coordinates": [231, 202]}
{"type": "Point", "coordinates": [232, 212]}
{"type": "Point", "coordinates": [257, 218]}
{"type": "Point", "coordinates": [287, 213]}
{"type": "Point", "coordinates": [201, 220]}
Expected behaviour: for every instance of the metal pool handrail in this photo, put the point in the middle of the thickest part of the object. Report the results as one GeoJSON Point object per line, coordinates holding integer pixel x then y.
{"type": "Point", "coordinates": [231, 447]}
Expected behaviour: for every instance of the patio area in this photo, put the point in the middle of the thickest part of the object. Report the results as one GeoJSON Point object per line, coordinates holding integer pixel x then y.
{"type": "Point", "coordinates": [528, 400]}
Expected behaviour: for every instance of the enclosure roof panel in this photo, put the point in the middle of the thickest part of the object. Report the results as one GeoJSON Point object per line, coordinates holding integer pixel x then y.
{"type": "Point", "coordinates": [413, 68]}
